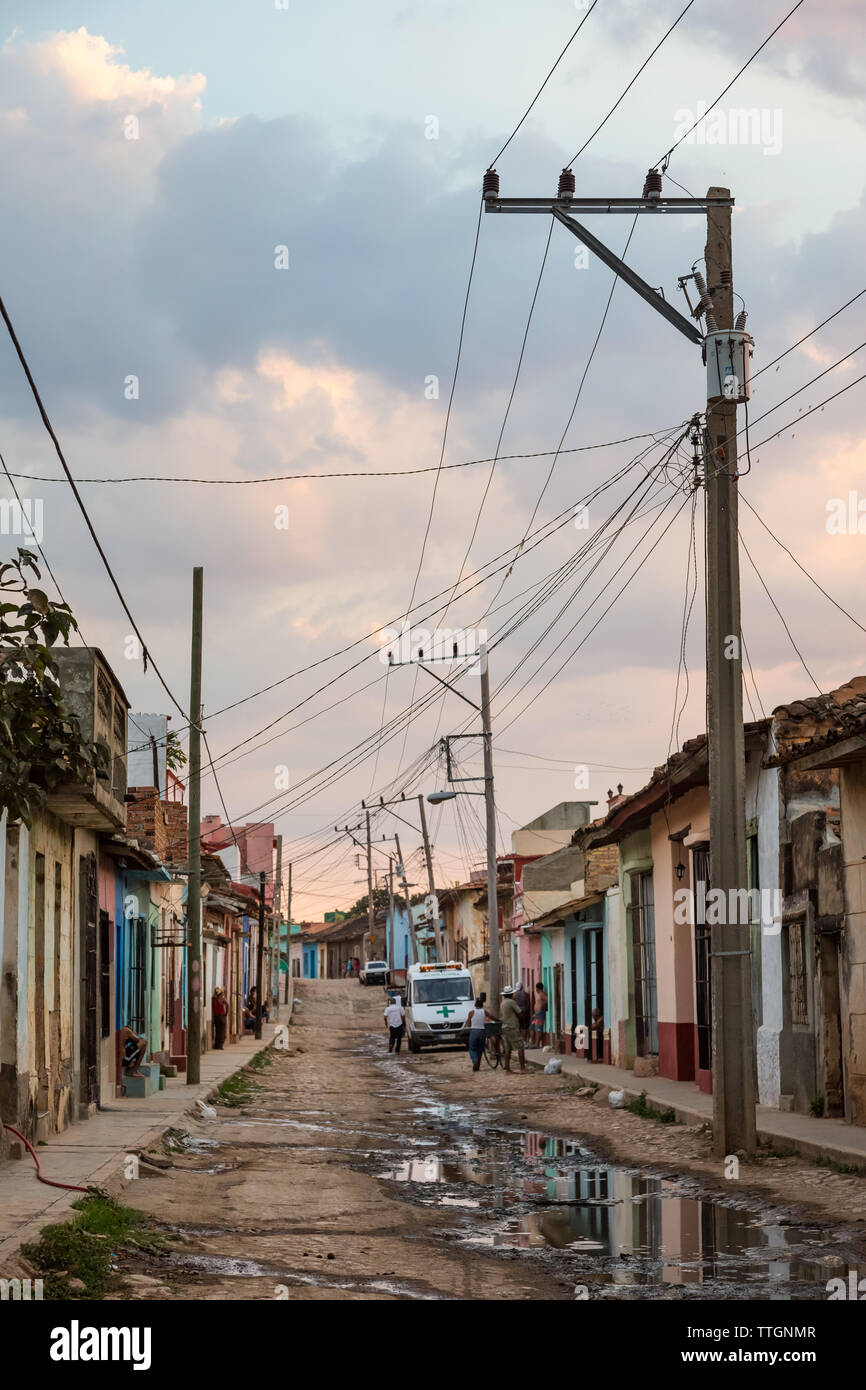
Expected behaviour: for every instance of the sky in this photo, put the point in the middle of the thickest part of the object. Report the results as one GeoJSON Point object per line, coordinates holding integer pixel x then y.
{"type": "Point", "coordinates": [235, 245]}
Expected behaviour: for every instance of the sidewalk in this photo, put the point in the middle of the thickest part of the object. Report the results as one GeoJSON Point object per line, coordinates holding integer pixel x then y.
{"type": "Point", "coordinates": [832, 1139]}
{"type": "Point", "coordinates": [92, 1151]}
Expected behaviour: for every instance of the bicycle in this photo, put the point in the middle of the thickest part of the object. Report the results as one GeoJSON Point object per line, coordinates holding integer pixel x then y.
{"type": "Point", "coordinates": [493, 1050]}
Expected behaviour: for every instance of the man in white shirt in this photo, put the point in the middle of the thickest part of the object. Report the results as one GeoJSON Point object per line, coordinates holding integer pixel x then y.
{"type": "Point", "coordinates": [394, 1017]}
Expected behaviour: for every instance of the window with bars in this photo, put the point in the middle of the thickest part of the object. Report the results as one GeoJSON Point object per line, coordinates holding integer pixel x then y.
{"type": "Point", "coordinates": [644, 959]}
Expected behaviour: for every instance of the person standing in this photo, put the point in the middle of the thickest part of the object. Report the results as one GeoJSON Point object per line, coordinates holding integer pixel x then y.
{"type": "Point", "coordinates": [395, 1016]}
{"type": "Point", "coordinates": [596, 1036]}
{"type": "Point", "coordinates": [512, 1038]}
{"type": "Point", "coordinates": [477, 1033]}
{"type": "Point", "coordinates": [521, 999]}
{"type": "Point", "coordinates": [220, 1009]}
{"type": "Point", "coordinates": [539, 1015]}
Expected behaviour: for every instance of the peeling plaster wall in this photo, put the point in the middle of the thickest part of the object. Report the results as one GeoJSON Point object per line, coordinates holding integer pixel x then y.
{"type": "Point", "coordinates": [37, 1031]}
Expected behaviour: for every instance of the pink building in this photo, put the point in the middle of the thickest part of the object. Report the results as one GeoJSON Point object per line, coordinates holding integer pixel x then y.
{"type": "Point", "coordinates": [246, 850]}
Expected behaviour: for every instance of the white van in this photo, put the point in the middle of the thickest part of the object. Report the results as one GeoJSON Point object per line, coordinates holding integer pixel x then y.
{"type": "Point", "coordinates": [438, 1000]}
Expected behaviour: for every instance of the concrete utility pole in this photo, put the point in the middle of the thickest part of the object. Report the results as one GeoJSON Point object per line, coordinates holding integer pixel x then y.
{"type": "Point", "coordinates": [440, 953]}
{"type": "Point", "coordinates": [733, 1053]}
{"type": "Point", "coordinates": [289, 935]}
{"type": "Point", "coordinates": [391, 966]}
{"type": "Point", "coordinates": [733, 1060]}
{"type": "Point", "coordinates": [193, 894]}
{"type": "Point", "coordinates": [260, 954]}
{"type": "Point", "coordinates": [371, 910]}
{"type": "Point", "coordinates": [413, 944]}
{"type": "Point", "coordinates": [490, 807]}
{"type": "Point", "coordinates": [277, 919]}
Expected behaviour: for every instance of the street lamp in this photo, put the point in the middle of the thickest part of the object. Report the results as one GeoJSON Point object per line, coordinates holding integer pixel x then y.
{"type": "Point", "coordinates": [435, 797]}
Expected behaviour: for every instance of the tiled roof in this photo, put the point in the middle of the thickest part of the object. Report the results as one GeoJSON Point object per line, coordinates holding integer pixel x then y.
{"type": "Point", "coordinates": [806, 726]}
{"type": "Point", "coordinates": [685, 769]}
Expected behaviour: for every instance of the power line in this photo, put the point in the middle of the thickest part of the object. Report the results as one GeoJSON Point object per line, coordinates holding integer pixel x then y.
{"type": "Point", "coordinates": [807, 384]}
{"type": "Point", "coordinates": [77, 495]}
{"type": "Point", "coordinates": [495, 458]}
{"type": "Point", "coordinates": [806, 413]}
{"type": "Point", "coordinates": [544, 83]}
{"type": "Point", "coordinates": [780, 615]}
{"type": "Point", "coordinates": [600, 619]}
{"type": "Point", "coordinates": [812, 331]}
{"type": "Point", "coordinates": [363, 473]}
{"type": "Point", "coordinates": [570, 418]}
{"type": "Point", "coordinates": [800, 567]}
{"type": "Point", "coordinates": [666, 156]}
{"type": "Point", "coordinates": [634, 79]}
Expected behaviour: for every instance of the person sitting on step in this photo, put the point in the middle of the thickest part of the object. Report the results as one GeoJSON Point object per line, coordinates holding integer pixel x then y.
{"type": "Point", "coordinates": [134, 1048]}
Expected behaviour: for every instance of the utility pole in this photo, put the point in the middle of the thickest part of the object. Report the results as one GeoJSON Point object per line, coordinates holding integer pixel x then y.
{"type": "Point", "coordinates": [371, 910]}
{"type": "Point", "coordinates": [278, 927]}
{"type": "Point", "coordinates": [730, 943]}
{"type": "Point", "coordinates": [193, 893]}
{"type": "Point", "coordinates": [725, 347]}
{"type": "Point", "coordinates": [413, 944]}
{"type": "Point", "coordinates": [434, 904]}
{"type": "Point", "coordinates": [260, 954]}
{"type": "Point", "coordinates": [490, 807]}
{"type": "Point", "coordinates": [391, 966]}
{"type": "Point", "coordinates": [289, 935]}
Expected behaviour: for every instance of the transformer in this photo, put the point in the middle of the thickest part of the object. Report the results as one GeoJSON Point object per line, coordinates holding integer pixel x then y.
{"type": "Point", "coordinates": [727, 353]}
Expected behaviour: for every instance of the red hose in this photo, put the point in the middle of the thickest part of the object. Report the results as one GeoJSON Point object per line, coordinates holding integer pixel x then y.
{"type": "Point", "coordinates": [69, 1186]}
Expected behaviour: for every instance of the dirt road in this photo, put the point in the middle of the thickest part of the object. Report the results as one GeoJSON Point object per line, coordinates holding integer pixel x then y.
{"type": "Point", "coordinates": [349, 1174]}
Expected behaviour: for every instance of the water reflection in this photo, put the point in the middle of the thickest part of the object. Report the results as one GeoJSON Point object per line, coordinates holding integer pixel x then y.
{"type": "Point", "coordinates": [538, 1192]}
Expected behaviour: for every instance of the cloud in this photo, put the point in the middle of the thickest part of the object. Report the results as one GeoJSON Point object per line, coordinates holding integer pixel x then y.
{"type": "Point", "coordinates": [156, 257]}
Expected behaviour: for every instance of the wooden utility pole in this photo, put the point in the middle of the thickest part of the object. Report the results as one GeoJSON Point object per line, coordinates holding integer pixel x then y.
{"type": "Point", "coordinates": [490, 807]}
{"type": "Point", "coordinates": [440, 955]}
{"type": "Point", "coordinates": [371, 909]}
{"type": "Point", "coordinates": [193, 895]}
{"type": "Point", "coordinates": [730, 944]}
{"type": "Point", "coordinates": [260, 954]}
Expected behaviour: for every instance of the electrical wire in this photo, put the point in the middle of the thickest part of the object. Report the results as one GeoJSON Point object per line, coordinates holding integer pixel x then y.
{"type": "Point", "coordinates": [544, 83]}
{"type": "Point", "coordinates": [666, 156]}
{"type": "Point", "coordinates": [634, 79]}
{"type": "Point", "coordinates": [800, 567]}
{"type": "Point", "coordinates": [363, 473]}
{"type": "Point", "coordinates": [811, 332]}
{"type": "Point", "coordinates": [77, 495]}
{"type": "Point", "coordinates": [780, 614]}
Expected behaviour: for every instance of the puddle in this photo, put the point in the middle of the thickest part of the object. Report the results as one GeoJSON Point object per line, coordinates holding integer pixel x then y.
{"type": "Point", "coordinates": [234, 1267]}
{"type": "Point", "coordinates": [550, 1198]}
{"type": "Point", "coordinates": [191, 1143]}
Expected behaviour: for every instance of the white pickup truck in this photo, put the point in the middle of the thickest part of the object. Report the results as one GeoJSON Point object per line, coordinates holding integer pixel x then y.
{"type": "Point", "coordinates": [374, 972]}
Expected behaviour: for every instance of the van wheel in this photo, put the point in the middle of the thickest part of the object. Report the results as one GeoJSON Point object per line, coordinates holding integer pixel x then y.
{"type": "Point", "coordinates": [413, 1046]}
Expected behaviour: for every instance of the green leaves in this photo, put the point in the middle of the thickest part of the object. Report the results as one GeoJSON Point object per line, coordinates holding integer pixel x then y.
{"type": "Point", "coordinates": [41, 744]}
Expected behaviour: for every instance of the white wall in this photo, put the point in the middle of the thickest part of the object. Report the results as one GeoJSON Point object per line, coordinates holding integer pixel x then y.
{"type": "Point", "coordinates": [139, 765]}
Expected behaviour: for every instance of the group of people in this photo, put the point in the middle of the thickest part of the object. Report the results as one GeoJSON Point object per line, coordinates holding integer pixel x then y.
{"type": "Point", "coordinates": [220, 1011]}
{"type": "Point", "coordinates": [134, 1045]}
{"type": "Point", "coordinates": [522, 1021]}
